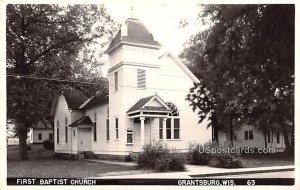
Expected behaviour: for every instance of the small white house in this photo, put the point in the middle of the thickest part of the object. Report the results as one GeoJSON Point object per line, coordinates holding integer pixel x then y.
{"type": "Point", "coordinates": [253, 136]}
{"type": "Point", "coordinates": [145, 102]}
{"type": "Point", "coordinates": [38, 133]}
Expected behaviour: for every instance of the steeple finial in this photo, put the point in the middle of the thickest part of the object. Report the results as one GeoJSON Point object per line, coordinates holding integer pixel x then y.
{"type": "Point", "coordinates": [132, 12]}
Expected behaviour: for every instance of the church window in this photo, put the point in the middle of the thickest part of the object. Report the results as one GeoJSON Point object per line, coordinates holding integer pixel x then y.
{"type": "Point", "coordinates": [141, 78]}
{"type": "Point", "coordinates": [116, 78]}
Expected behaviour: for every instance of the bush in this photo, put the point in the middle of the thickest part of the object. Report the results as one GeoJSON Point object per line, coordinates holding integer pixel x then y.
{"type": "Point", "coordinates": [224, 161]}
{"type": "Point", "coordinates": [196, 154]}
{"type": "Point", "coordinates": [160, 158]}
{"type": "Point", "coordinates": [49, 145]}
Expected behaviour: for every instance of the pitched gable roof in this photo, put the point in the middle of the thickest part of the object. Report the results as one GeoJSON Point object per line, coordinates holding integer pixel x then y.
{"type": "Point", "coordinates": [98, 99]}
{"type": "Point", "coordinates": [180, 64]}
{"type": "Point", "coordinates": [74, 99]}
{"type": "Point", "coordinates": [142, 104]}
{"type": "Point", "coordinates": [86, 120]}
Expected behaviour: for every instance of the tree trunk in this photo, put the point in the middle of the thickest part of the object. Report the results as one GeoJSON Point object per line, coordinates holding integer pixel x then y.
{"type": "Point", "coordinates": [231, 130]}
{"type": "Point", "coordinates": [22, 142]}
{"type": "Point", "coordinates": [286, 139]}
{"type": "Point", "coordinates": [265, 135]}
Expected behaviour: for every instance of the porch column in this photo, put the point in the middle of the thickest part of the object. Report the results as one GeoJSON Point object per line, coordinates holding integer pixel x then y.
{"type": "Point", "coordinates": [164, 130]}
{"type": "Point", "coordinates": [142, 131]}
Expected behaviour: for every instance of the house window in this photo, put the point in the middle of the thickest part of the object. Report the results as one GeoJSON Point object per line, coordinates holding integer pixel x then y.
{"type": "Point", "coordinates": [107, 129]}
{"type": "Point", "coordinates": [51, 136]}
{"type": "Point", "coordinates": [129, 136]}
{"type": "Point", "coordinates": [246, 135]}
{"type": "Point", "coordinates": [160, 128]}
{"type": "Point", "coordinates": [278, 138]}
{"type": "Point", "coordinates": [40, 136]}
{"type": "Point", "coordinates": [176, 129]}
{"type": "Point", "coordinates": [117, 128]}
{"type": "Point", "coordinates": [268, 136]}
{"type": "Point", "coordinates": [249, 135]}
{"type": "Point", "coordinates": [66, 129]}
{"type": "Point", "coordinates": [141, 78]}
{"type": "Point", "coordinates": [116, 78]}
{"type": "Point", "coordinates": [168, 126]}
{"type": "Point", "coordinates": [74, 133]}
{"type": "Point", "coordinates": [173, 122]}
{"type": "Point", "coordinates": [95, 126]}
{"type": "Point", "coordinates": [57, 132]}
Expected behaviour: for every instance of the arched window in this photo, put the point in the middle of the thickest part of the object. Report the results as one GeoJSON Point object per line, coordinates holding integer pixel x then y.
{"type": "Point", "coordinates": [66, 130]}
{"type": "Point", "coordinates": [95, 126]}
{"type": "Point", "coordinates": [173, 122]}
{"type": "Point", "coordinates": [57, 131]}
{"type": "Point", "coordinates": [174, 109]}
{"type": "Point", "coordinates": [107, 124]}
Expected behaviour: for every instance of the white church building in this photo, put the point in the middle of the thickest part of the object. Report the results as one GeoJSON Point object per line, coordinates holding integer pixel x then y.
{"type": "Point", "coordinates": [145, 103]}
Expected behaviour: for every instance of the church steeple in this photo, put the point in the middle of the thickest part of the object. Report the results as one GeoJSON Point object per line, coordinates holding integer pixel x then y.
{"type": "Point", "coordinates": [132, 13]}
{"type": "Point", "coordinates": [133, 33]}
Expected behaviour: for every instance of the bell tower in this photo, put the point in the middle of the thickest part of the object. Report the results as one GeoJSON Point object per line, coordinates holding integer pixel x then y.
{"type": "Point", "coordinates": [133, 67]}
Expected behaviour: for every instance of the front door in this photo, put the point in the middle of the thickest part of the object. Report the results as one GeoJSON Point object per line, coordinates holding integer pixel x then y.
{"type": "Point", "coordinates": [84, 139]}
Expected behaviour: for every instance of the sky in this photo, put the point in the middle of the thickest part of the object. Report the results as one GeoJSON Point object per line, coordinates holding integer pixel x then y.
{"type": "Point", "coordinates": [161, 18]}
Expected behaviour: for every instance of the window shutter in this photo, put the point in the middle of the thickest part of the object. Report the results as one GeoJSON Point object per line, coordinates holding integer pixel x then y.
{"type": "Point", "coordinates": [141, 78]}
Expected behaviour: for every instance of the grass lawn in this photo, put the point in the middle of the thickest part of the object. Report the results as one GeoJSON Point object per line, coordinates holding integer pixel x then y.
{"type": "Point", "coordinates": [252, 161]}
{"type": "Point", "coordinates": [43, 164]}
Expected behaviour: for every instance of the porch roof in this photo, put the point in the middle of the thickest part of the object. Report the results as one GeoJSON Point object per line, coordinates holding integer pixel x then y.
{"type": "Point", "coordinates": [141, 105]}
{"type": "Point", "coordinates": [82, 121]}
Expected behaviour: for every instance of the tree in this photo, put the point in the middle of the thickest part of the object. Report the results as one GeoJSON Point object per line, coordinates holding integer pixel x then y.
{"type": "Point", "coordinates": [49, 41]}
{"type": "Point", "coordinates": [246, 63]}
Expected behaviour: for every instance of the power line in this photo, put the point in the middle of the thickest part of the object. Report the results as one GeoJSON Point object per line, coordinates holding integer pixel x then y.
{"type": "Point", "coordinates": [90, 83]}
{"type": "Point", "coordinates": [47, 79]}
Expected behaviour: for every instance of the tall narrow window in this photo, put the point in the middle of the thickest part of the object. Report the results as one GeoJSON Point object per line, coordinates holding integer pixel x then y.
{"type": "Point", "coordinates": [246, 135]}
{"type": "Point", "coordinates": [40, 136]}
{"type": "Point", "coordinates": [251, 135]}
{"type": "Point", "coordinates": [173, 122]}
{"type": "Point", "coordinates": [95, 126]}
{"type": "Point", "coordinates": [51, 136]}
{"type": "Point", "coordinates": [107, 123]}
{"type": "Point", "coordinates": [141, 78]}
{"type": "Point", "coordinates": [117, 128]}
{"type": "Point", "coordinates": [129, 136]}
{"type": "Point", "coordinates": [66, 130]}
{"type": "Point", "coordinates": [278, 138]}
{"type": "Point", "coordinates": [57, 132]}
{"type": "Point", "coordinates": [160, 128]}
{"type": "Point", "coordinates": [116, 78]}
{"type": "Point", "coordinates": [168, 126]}
{"type": "Point", "coordinates": [176, 129]}
{"type": "Point", "coordinates": [107, 129]}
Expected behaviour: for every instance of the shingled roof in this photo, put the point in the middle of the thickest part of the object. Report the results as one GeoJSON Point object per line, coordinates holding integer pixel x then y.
{"type": "Point", "coordinates": [142, 102]}
{"type": "Point", "coordinates": [98, 99]}
{"type": "Point", "coordinates": [137, 34]}
{"type": "Point", "coordinates": [86, 120]}
{"type": "Point", "coordinates": [74, 99]}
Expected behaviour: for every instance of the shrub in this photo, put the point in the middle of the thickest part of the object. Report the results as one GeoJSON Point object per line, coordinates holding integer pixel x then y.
{"type": "Point", "coordinates": [197, 155]}
{"type": "Point", "coordinates": [224, 161]}
{"type": "Point", "coordinates": [49, 145]}
{"type": "Point", "coordinates": [160, 158]}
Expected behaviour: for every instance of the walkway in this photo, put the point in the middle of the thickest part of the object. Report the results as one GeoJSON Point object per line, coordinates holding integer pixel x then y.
{"type": "Point", "coordinates": [192, 171]}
